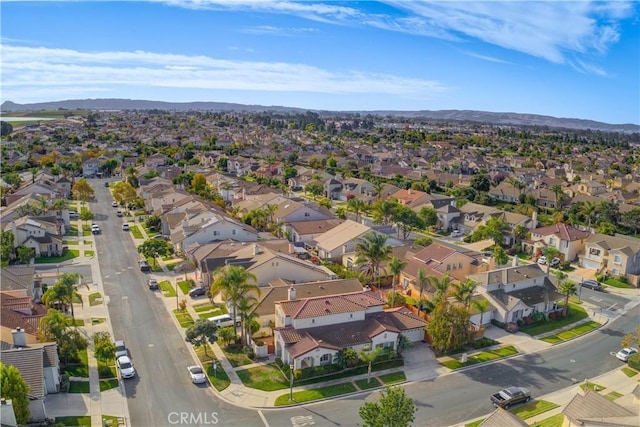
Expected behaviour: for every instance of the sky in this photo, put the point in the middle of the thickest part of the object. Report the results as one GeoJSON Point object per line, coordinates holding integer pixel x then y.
{"type": "Point", "coordinates": [570, 59]}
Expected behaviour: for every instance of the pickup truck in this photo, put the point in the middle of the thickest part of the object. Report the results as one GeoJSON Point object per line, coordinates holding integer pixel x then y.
{"type": "Point", "coordinates": [510, 396]}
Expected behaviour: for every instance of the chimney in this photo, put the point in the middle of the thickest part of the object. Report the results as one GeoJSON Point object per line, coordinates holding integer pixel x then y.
{"type": "Point", "coordinates": [19, 337]}
{"type": "Point", "coordinates": [292, 294]}
{"type": "Point", "coordinates": [256, 250]}
{"type": "Point", "coordinates": [534, 219]}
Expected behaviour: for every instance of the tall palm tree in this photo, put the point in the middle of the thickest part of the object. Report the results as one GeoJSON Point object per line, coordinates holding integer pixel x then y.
{"type": "Point", "coordinates": [588, 210]}
{"type": "Point", "coordinates": [64, 291]}
{"type": "Point", "coordinates": [395, 267]}
{"type": "Point", "coordinates": [481, 305]}
{"type": "Point", "coordinates": [549, 253]}
{"type": "Point", "coordinates": [59, 205]}
{"type": "Point", "coordinates": [567, 288]}
{"type": "Point", "coordinates": [245, 308]}
{"type": "Point", "coordinates": [441, 285]}
{"type": "Point", "coordinates": [556, 189]}
{"type": "Point", "coordinates": [233, 282]}
{"type": "Point", "coordinates": [372, 250]}
{"type": "Point", "coordinates": [463, 292]}
{"type": "Point", "coordinates": [356, 206]}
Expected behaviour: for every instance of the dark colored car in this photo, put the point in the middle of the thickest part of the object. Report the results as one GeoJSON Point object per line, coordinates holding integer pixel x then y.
{"type": "Point", "coordinates": [591, 284]}
{"type": "Point", "coordinates": [153, 284]}
{"type": "Point", "coordinates": [198, 292]}
{"type": "Point", "coordinates": [554, 262]}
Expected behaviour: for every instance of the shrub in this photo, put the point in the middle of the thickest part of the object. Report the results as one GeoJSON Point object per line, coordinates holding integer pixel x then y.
{"type": "Point", "coordinates": [634, 362]}
{"type": "Point", "coordinates": [484, 342]}
{"type": "Point", "coordinates": [512, 327]}
{"type": "Point", "coordinates": [497, 323]}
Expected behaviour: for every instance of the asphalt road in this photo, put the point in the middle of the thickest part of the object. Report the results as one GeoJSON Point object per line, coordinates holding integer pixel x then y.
{"type": "Point", "coordinates": [162, 393]}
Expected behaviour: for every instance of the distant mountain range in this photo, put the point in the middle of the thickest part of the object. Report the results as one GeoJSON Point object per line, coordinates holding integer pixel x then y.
{"type": "Point", "coordinates": [516, 119]}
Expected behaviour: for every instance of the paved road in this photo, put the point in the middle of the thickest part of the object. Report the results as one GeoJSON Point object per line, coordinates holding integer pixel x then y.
{"type": "Point", "coordinates": [161, 394]}
{"type": "Point", "coordinates": [455, 398]}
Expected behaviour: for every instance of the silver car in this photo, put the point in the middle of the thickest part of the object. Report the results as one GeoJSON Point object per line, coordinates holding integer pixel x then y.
{"type": "Point", "coordinates": [197, 375]}
{"type": "Point", "coordinates": [121, 349]}
{"type": "Point", "coordinates": [125, 366]}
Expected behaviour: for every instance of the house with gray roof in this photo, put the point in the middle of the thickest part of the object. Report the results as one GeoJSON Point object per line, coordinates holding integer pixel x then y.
{"type": "Point", "coordinates": [617, 255]}
{"type": "Point", "coordinates": [590, 408]}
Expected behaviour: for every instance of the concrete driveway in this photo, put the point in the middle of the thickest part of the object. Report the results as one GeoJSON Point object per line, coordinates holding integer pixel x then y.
{"type": "Point", "coordinates": [420, 363]}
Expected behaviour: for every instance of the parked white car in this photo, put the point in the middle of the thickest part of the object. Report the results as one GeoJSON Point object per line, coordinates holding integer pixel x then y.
{"type": "Point", "coordinates": [197, 374]}
{"type": "Point", "coordinates": [542, 260]}
{"type": "Point", "coordinates": [626, 353]}
{"type": "Point", "coordinates": [125, 366]}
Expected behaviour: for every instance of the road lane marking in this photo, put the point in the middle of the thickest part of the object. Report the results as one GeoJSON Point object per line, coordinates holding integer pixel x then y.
{"type": "Point", "coordinates": [264, 420]}
{"type": "Point", "coordinates": [302, 421]}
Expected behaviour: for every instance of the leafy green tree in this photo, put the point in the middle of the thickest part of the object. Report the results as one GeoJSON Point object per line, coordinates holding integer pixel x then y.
{"type": "Point", "coordinates": [368, 357]}
{"type": "Point", "coordinates": [481, 305]}
{"type": "Point", "coordinates": [234, 283]}
{"type": "Point", "coordinates": [357, 206]}
{"type": "Point", "coordinates": [70, 344]}
{"type": "Point", "coordinates": [315, 188]}
{"type": "Point", "coordinates": [632, 219]}
{"type": "Point", "coordinates": [481, 182]}
{"type": "Point", "coordinates": [449, 326]}
{"type": "Point", "coordinates": [588, 210]}
{"type": "Point", "coordinates": [407, 220]}
{"type": "Point", "coordinates": [500, 255]}
{"type": "Point", "coordinates": [103, 346]}
{"type": "Point", "coordinates": [123, 193]}
{"type": "Point", "coordinates": [24, 254]}
{"type": "Point", "coordinates": [153, 223]}
{"type": "Point", "coordinates": [85, 214]}
{"type": "Point", "coordinates": [383, 210]}
{"type": "Point", "coordinates": [372, 250]}
{"type": "Point", "coordinates": [6, 247]}
{"type": "Point", "coordinates": [404, 343]}
{"type": "Point", "coordinates": [199, 184]}
{"type": "Point", "coordinates": [155, 247]}
{"type": "Point", "coordinates": [463, 291]}
{"type": "Point", "coordinates": [53, 325]}
{"type": "Point", "coordinates": [632, 339]}
{"type": "Point", "coordinates": [429, 216]}
{"type": "Point", "coordinates": [605, 227]}
{"type": "Point", "coordinates": [441, 286]}
{"type": "Point", "coordinates": [14, 388]}
{"type": "Point", "coordinates": [226, 334]}
{"type": "Point", "coordinates": [82, 190]}
{"type": "Point", "coordinates": [5, 128]}
{"type": "Point", "coordinates": [201, 333]}
{"type": "Point", "coordinates": [394, 409]}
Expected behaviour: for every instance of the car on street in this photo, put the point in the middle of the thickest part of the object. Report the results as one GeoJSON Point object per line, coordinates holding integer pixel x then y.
{"type": "Point", "coordinates": [106, 184]}
{"type": "Point", "coordinates": [73, 214]}
{"type": "Point", "coordinates": [456, 233]}
{"type": "Point", "coordinates": [95, 229]}
{"type": "Point", "coordinates": [118, 213]}
{"type": "Point", "coordinates": [591, 284]}
{"type": "Point", "coordinates": [121, 349]}
{"type": "Point", "coordinates": [197, 374]}
{"type": "Point", "coordinates": [153, 284]}
{"type": "Point", "coordinates": [125, 227]}
{"type": "Point", "coordinates": [510, 396]}
{"type": "Point", "coordinates": [542, 260]}
{"type": "Point", "coordinates": [125, 366]}
{"type": "Point", "coordinates": [198, 291]}
{"type": "Point", "coordinates": [144, 266]}
{"type": "Point", "coordinates": [554, 262]}
{"type": "Point", "coordinates": [114, 204]}
{"type": "Point", "coordinates": [626, 353]}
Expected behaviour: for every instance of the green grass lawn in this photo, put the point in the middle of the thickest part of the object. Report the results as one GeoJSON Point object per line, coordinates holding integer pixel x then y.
{"type": "Point", "coordinates": [80, 368]}
{"type": "Point", "coordinates": [98, 320]}
{"type": "Point", "coordinates": [137, 234]}
{"type": "Point", "coordinates": [79, 421]}
{"type": "Point", "coordinates": [613, 395]}
{"type": "Point", "coordinates": [172, 265]}
{"type": "Point", "coordinates": [315, 394]}
{"type": "Point", "coordinates": [592, 386]}
{"type": "Point", "coordinates": [208, 310]}
{"type": "Point", "coordinates": [155, 267]}
{"type": "Point", "coordinates": [236, 356]}
{"type": "Point", "coordinates": [111, 421]}
{"type": "Point", "coordinates": [78, 322]}
{"type": "Point", "coordinates": [79, 386]}
{"type": "Point", "coordinates": [629, 372]}
{"type": "Point", "coordinates": [89, 253]}
{"type": "Point", "coordinates": [575, 314]}
{"type": "Point", "coordinates": [575, 332]}
{"type": "Point", "coordinates": [480, 357]}
{"type": "Point", "coordinates": [184, 318]}
{"type": "Point", "coordinates": [95, 299]}
{"type": "Point", "coordinates": [167, 289]}
{"type": "Point", "coordinates": [365, 385]}
{"type": "Point", "coordinates": [70, 254]}
{"type": "Point", "coordinates": [72, 232]}
{"type": "Point", "coordinates": [70, 242]}
{"type": "Point", "coordinates": [218, 377]}
{"type": "Point", "coordinates": [617, 283]}
{"type": "Point", "coordinates": [393, 378]}
{"type": "Point", "coordinates": [184, 285]}
{"type": "Point", "coordinates": [108, 384]}
{"type": "Point", "coordinates": [107, 369]}
{"type": "Point", "coordinates": [265, 378]}
{"type": "Point", "coordinates": [553, 421]}
{"type": "Point", "coordinates": [534, 408]}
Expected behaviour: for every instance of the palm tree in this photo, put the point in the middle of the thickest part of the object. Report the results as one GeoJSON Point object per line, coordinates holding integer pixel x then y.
{"type": "Point", "coordinates": [53, 325]}
{"type": "Point", "coordinates": [463, 292]}
{"type": "Point", "coordinates": [567, 288]}
{"type": "Point", "coordinates": [589, 210]}
{"type": "Point", "coordinates": [395, 267]}
{"type": "Point", "coordinates": [356, 206]}
{"type": "Point", "coordinates": [481, 305]}
{"type": "Point", "coordinates": [65, 291]}
{"type": "Point", "coordinates": [233, 282]}
{"type": "Point", "coordinates": [441, 285]}
{"type": "Point", "coordinates": [557, 190]}
{"type": "Point", "coordinates": [59, 205]}
{"type": "Point", "coordinates": [368, 358]}
{"type": "Point", "coordinates": [517, 184]}
{"type": "Point", "coordinates": [270, 209]}
{"type": "Point", "coordinates": [245, 307]}
{"type": "Point", "coordinates": [549, 253]}
{"type": "Point", "coordinates": [372, 250]}
{"type": "Point", "coordinates": [422, 284]}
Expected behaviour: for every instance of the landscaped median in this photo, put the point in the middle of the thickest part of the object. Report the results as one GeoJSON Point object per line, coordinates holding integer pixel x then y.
{"type": "Point", "coordinates": [480, 357]}
{"type": "Point", "coordinates": [572, 333]}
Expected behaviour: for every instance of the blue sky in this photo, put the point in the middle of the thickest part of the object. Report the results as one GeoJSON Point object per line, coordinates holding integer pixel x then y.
{"type": "Point", "coordinates": [577, 59]}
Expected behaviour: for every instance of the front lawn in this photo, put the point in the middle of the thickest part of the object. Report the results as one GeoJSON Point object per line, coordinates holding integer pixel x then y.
{"type": "Point", "coordinates": [69, 254]}
{"type": "Point", "coordinates": [79, 421]}
{"type": "Point", "coordinates": [236, 356]}
{"type": "Point", "coordinates": [553, 421]}
{"type": "Point", "coordinates": [79, 386]}
{"type": "Point", "coordinates": [184, 318]}
{"type": "Point", "coordinates": [109, 384]}
{"type": "Point", "coordinates": [218, 377]}
{"type": "Point", "coordinates": [393, 378]}
{"type": "Point", "coordinates": [315, 394]}
{"type": "Point", "coordinates": [89, 253]}
{"type": "Point", "coordinates": [592, 386]}
{"type": "Point", "coordinates": [575, 314]}
{"type": "Point", "coordinates": [136, 232]}
{"type": "Point", "coordinates": [483, 356]}
{"type": "Point", "coordinates": [78, 367]}
{"type": "Point", "coordinates": [534, 408]}
{"type": "Point", "coordinates": [78, 322]}
{"type": "Point", "coordinates": [172, 265]}
{"type": "Point", "coordinates": [617, 283]}
{"type": "Point", "coordinates": [365, 385]}
{"type": "Point", "coordinates": [167, 288]}
{"type": "Point", "coordinates": [184, 285]}
{"type": "Point", "coordinates": [107, 369]}
{"type": "Point", "coordinates": [629, 372]}
{"type": "Point", "coordinates": [572, 333]}
{"type": "Point", "coordinates": [208, 310]}
{"type": "Point", "coordinates": [153, 264]}
{"type": "Point", "coordinates": [265, 378]}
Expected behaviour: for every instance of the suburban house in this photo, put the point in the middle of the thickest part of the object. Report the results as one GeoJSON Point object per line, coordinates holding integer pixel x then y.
{"type": "Point", "coordinates": [208, 227]}
{"type": "Point", "coordinates": [37, 190]}
{"type": "Point", "coordinates": [517, 292]}
{"type": "Point", "coordinates": [618, 255]}
{"type": "Point", "coordinates": [90, 167]}
{"type": "Point", "coordinates": [306, 231]}
{"type": "Point", "coordinates": [42, 234]}
{"type": "Point", "coordinates": [567, 239]}
{"type": "Point", "coordinates": [265, 262]}
{"type": "Point", "coordinates": [342, 239]}
{"type": "Point", "coordinates": [291, 210]}
{"type": "Point", "coordinates": [21, 281]}
{"type": "Point", "coordinates": [155, 160]}
{"type": "Point", "coordinates": [278, 290]}
{"type": "Point", "coordinates": [506, 192]}
{"type": "Point", "coordinates": [19, 311]}
{"type": "Point", "coordinates": [438, 260]}
{"type": "Point", "coordinates": [311, 331]}
{"type": "Point", "coordinates": [40, 368]}
{"type": "Point", "coordinates": [473, 215]}
{"type": "Point", "coordinates": [590, 408]}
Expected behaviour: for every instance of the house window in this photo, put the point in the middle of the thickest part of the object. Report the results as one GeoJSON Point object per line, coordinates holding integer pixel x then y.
{"type": "Point", "coordinates": [233, 231]}
{"type": "Point", "coordinates": [594, 251]}
{"type": "Point", "coordinates": [448, 267]}
{"type": "Point", "coordinates": [552, 242]}
{"type": "Point", "coordinates": [307, 214]}
{"type": "Point", "coordinates": [325, 357]}
{"type": "Point", "coordinates": [313, 320]}
{"type": "Point", "coordinates": [617, 259]}
{"type": "Point", "coordinates": [215, 232]}
{"type": "Point", "coordinates": [459, 265]}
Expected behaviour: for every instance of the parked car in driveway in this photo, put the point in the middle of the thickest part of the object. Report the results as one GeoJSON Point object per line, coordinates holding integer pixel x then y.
{"type": "Point", "coordinates": [456, 233]}
{"type": "Point", "coordinates": [626, 353]}
{"type": "Point", "coordinates": [542, 260]}
{"type": "Point", "coordinates": [554, 262]}
{"type": "Point", "coordinates": [197, 374]}
{"type": "Point", "coordinates": [125, 366]}
{"type": "Point", "coordinates": [591, 284]}
{"type": "Point", "coordinates": [198, 291]}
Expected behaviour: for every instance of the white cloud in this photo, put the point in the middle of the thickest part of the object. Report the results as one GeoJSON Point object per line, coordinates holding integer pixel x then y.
{"type": "Point", "coordinates": [485, 57]}
{"type": "Point", "coordinates": [34, 69]}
